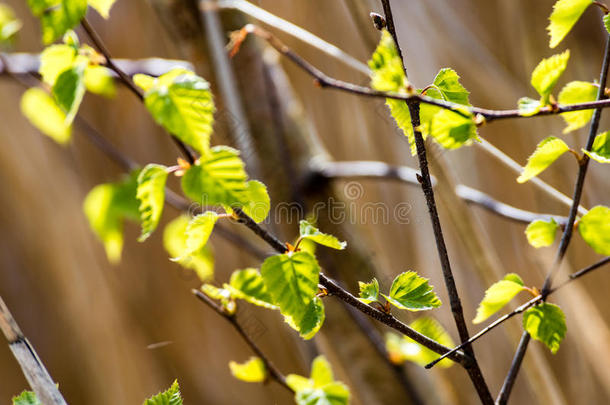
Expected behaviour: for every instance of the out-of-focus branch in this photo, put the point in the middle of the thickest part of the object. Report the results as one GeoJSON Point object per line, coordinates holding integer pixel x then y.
{"type": "Point", "coordinates": [33, 369]}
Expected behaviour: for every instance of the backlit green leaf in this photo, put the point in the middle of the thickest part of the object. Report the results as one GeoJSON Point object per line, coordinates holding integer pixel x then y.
{"type": "Point", "coordinates": [545, 154]}
{"type": "Point", "coordinates": [308, 231]}
{"type": "Point", "coordinates": [99, 80]}
{"type": "Point", "coordinates": [43, 112]}
{"type": "Point", "coordinates": [249, 286]}
{"type": "Point", "coordinates": [547, 73]}
{"type": "Point", "coordinates": [369, 292]}
{"type": "Point", "coordinates": [181, 102]}
{"type": "Point", "coordinates": [151, 194]}
{"type": "Point", "coordinates": [253, 370]}
{"type": "Point", "coordinates": [387, 73]}
{"type": "Point", "coordinates": [57, 16]}
{"type": "Point", "coordinates": [607, 22]}
{"type": "Point", "coordinates": [594, 227]}
{"type": "Point", "coordinates": [565, 14]}
{"type": "Point", "coordinates": [497, 296]}
{"type": "Point", "coordinates": [528, 106]}
{"type": "Point", "coordinates": [452, 130]}
{"type": "Point", "coordinates": [174, 241]}
{"type": "Point", "coordinates": [600, 151]}
{"type": "Point", "coordinates": [102, 6]}
{"type": "Point", "coordinates": [312, 320]}
{"type": "Point", "coordinates": [412, 292]}
{"type": "Point", "coordinates": [258, 203]}
{"type": "Point", "coordinates": [169, 397]}
{"type": "Point", "coordinates": [198, 232]}
{"type": "Point", "coordinates": [26, 398]}
{"type": "Point", "coordinates": [69, 90]}
{"type": "Point", "coordinates": [547, 324]}
{"type": "Point", "coordinates": [9, 24]}
{"type": "Point", "coordinates": [320, 388]}
{"type": "Point", "coordinates": [576, 93]}
{"type": "Point", "coordinates": [541, 233]}
{"type": "Point", "coordinates": [54, 60]}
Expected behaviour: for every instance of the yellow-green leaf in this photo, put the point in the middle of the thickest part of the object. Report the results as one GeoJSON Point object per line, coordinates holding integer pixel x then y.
{"type": "Point", "coordinates": [452, 130]}
{"type": "Point", "coordinates": [69, 90]}
{"type": "Point", "coordinates": [310, 232]}
{"type": "Point", "coordinates": [102, 6]}
{"type": "Point", "coordinates": [565, 14]}
{"type": "Point", "coordinates": [320, 388]}
{"type": "Point", "coordinates": [369, 292]}
{"type": "Point", "coordinates": [26, 398]}
{"type": "Point", "coordinates": [43, 112]}
{"type": "Point", "coordinates": [528, 106]}
{"type": "Point", "coordinates": [575, 93]}
{"type": "Point", "coordinates": [547, 324]}
{"type": "Point", "coordinates": [387, 73]}
{"type": "Point", "coordinates": [312, 320]}
{"type": "Point", "coordinates": [249, 286]}
{"type": "Point", "coordinates": [541, 233]}
{"type": "Point", "coordinates": [9, 24]}
{"type": "Point", "coordinates": [54, 60]}
{"type": "Point", "coordinates": [497, 296]}
{"type": "Point", "coordinates": [169, 397]}
{"type": "Point", "coordinates": [594, 227]}
{"type": "Point", "coordinates": [545, 154]}
{"type": "Point", "coordinates": [174, 241]}
{"type": "Point", "coordinates": [412, 292]}
{"type": "Point", "coordinates": [198, 232]}
{"type": "Point", "coordinates": [548, 72]}
{"type": "Point", "coordinates": [57, 16]}
{"type": "Point", "coordinates": [258, 203]}
{"type": "Point", "coordinates": [600, 152]}
{"type": "Point", "coordinates": [151, 193]}
{"type": "Point", "coordinates": [99, 80]}
{"type": "Point", "coordinates": [253, 371]}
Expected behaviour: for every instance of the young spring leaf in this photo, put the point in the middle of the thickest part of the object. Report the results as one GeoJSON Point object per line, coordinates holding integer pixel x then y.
{"type": "Point", "coordinates": [253, 371]}
{"type": "Point", "coordinates": [102, 6]}
{"type": "Point", "coordinates": [169, 397]}
{"type": "Point", "coordinates": [181, 102]}
{"type": "Point", "coordinates": [99, 80]}
{"type": "Point", "coordinates": [224, 296]}
{"type": "Point", "coordinates": [594, 227]}
{"type": "Point", "coordinates": [600, 152]}
{"type": "Point", "coordinates": [369, 292]}
{"type": "Point", "coordinates": [541, 233]}
{"type": "Point", "coordinates": [292, 280]}
{"type": "Point", "coordinates": [198, 232]}
{"type": "Point", "coordinates": [174, 241]}
{"type": "Point", "coordinates": [258, 203]}
{"type": "Point", "coordinates": [547, 73]}
{"type": "Point", "coordinates": [528, 106]}
{"type": "Point", "coordinates": [151, 194]}
{"type": "Point", "coordinates": [54, 60]}
{"type": "Point", "coordinates": [545, 154]}
{"type": "Point", "coordinates": [565, 14]}
{"type": "Point", "coordinates": [447, 87]}
{"type": "Point", "coordinates": [69, 90]}
{"type": "Point", "coordinates": [320, 388]}
{"type": "Point", "coordinates": [412, 292]}
{"type": "Point", "coordinates": [402, 348]}
{"type": "Point", "coordinates": [452, 130]}
{"type": "Point", "coordinates": [607, 22]}
{"type": "Point", "coordinates": [311, 321]}
{"type": "Point", "coordinates": [546, 323]}
{"type": "Point", "coordinates": [310, 232]}
{"type": "Point", "coordinates": [57, 16]}
{"type": "Point", "coordinates": [498, 295]}
{"type": "Point", "coordinates": [249, 286]}
{"type": "Point", "coordinates": [574, 93]}
{"type": "Point", "coordinates": [26, 398]}
{"type": "Point", "coordinates": [43, 112]}
{"type": "Point", "coordinates": [9, 24]}
{"type": "Point", "coordinates": [218, 178]}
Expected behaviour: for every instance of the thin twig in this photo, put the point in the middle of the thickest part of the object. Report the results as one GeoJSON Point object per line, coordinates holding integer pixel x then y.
{"type": "Point", "coordinates": [274, 372]}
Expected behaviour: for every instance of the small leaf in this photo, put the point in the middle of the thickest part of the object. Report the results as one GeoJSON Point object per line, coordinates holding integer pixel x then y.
{"type": "Point", "coordinates": [174, 241]}
{"type": "Point", "coordinates": [547, 324]}
{"type": "Point", "coordinates": [447, 81]}
{"type": "Point", "coordinates": [169, 397]}
{"type": "Point", "coordinates": [600, 152]}
{"type": "Point", "coordinates": [529, 106]}
{"type": "Point", "coordinates": [42, 112]}
{"type": "Point", "coordinates": [547, 73]}
{"type": "Point", "coordinates": [57, 16]}
{"type": "Point", "coordinates": [321, 372]}
{"type": "Point", "coordinates": [198, 232]}
{"type": "Point", "coordinates": [292, 280]}
{"type": "Point", "coordinates": [320, 388]}
{"type": "Point", "coordinates": [576, 93]}
{"type": "Point", "coordinates": [310, 232]}
{"type": "Point", "coordinates": [369, 292]}
{"type": "Point", "coordinates": [26, 398]}
{"type": "Point", "coordinates": [607, 22]}
{"type": "Point", "coordinates": [151, 193]}
{"type": "Point", "coordinates": [69, 90]}
{"type": "Point", "coordinates": [541, 233]}
{"type": "Point", "coordinates": [249, 286]}
{"type": "Point", "coordinates": [402, 348]}
{"type": "Point", "coordinates": [102, 6]}
{"type": "Point", "coordinates": [181, 102]}
{"type": "Point", "coordinates": [9, 24]}
{"type": "Point", "coordinates": [497, 296]}
{"type": "Point", "coordinates": [311, 321]}
{"type": "Point", "coordinates": [545, 154]}
{"type": "Point", "coordinates": [258, 203]}
{"type": "Point", "coordinates": [451, 130]}
{"type": "Point", "coordinates": [253, 371]}
{"type": "Point", "coordinates": [99, 80]}
{"type": "Point", "coordinates": [594, 227]}
{"type": "Point", "coordinates": [412, 292]}
{"type": "Point", "coordinates": [387, 73]}
{"type": "Point", "coordinates": [399, 110]}
{"type": "Point", "coordinates": [565, 14]}
{"type": "Point", "coordinates": [54, 60]}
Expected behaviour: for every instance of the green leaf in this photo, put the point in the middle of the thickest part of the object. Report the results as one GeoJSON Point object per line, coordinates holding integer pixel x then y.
{"type": "Point", "coordinates": [547, 73]}
{"type": "Point", "coordinates": [607, 22]}
{"type": "Point", "coordinates": [102, 6]}
{"type": "Point", "coordinates": [320, 388]}
{"type": "Point", "coordinates": [387, 73]}
{"type": "Point", "coordinates": [42, 112]}
{"type": "Point", "coordinates": [564, 16]}
{"type": "Point", "coordinates": [369, 292]}
{"type": "Point", "coordinates": [312, 320]}
{"type": "Point", "coordinates": [253, 371]}
{"type": "Point", "coordinates": [498, 295]}
{"type": "Point", "coordinates": [169, 397]}
{"type": "Point", "coordinates": [151, 193]}
{"type": "Point", "coordinates": [69, 90]}
{"type": "Point", "coordinates": [57, 16]}
{"type": "Point", "coordinates": [399, 110]}
{"type": "Point", "coordinates": [26, 398]}
{"type": "Point", "coordinates": [529, 106]}
{"type": "Point", "coordinates": [106, 206]}
{"type": "Point", "coordinates": [292, 280]}
{"type": "Point", "coordinates": [547, 324]}
{"type": "Point", "coordinates": [545, 154]}
{"type": "Point", "coordinates": [600, 152]}
{"type": "Point", "coordinates": [402, 348]}
{"type": "Point", "coordinates": [217, 179]}
{"type": "Point", "coordinates": [258, 203]}
{"type": "Point", "coordinates": [99, 80]}
{"type": "Point", "coordinates": [181, 102]}
{"type": "Point", "coordinates": [541, 233]}
{"type": "Point", "coordinates": [9, 24]}
{"type": "Point", "coordinates": [447, 81]}
{"type": "Point", "coordinates": [451, 130]}
{"type": "Point", "coordinates": [198, 232]}
{"type": "Point", "coordinates": [412, 292]}
{"type": "Point", "coordinates": [594, 227]}
{"type": "Point", "coordinates": [576, 93]}
{"type": "Point", "coordinates": [249, 286]}
{"type": "Point", "coordinates": [174, 241]}
{"type": "Point", "coordinates": [54, 60]}
{"type": "Point", "coordinates": [310, 232]}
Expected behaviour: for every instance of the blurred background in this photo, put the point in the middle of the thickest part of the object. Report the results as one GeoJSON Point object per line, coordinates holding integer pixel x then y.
{"type": "Point", "coordinates": [93, 323]}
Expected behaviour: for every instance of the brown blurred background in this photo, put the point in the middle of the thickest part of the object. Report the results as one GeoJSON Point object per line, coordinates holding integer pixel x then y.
{"type": "Point", "coordinates": [92, 322]}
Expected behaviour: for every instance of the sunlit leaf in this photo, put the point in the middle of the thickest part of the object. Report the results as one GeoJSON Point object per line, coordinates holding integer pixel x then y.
{"type": "Point", "coordinates": [54, 60]}
{"type": "Point", "coordinates": [369, 292]}
{"type": "Point", "coordinates": [607, 22]}
{"type": "Point", "coordinates": [311, 321]}
{"type": "Point", "coordinates": [498, 295]}
{"type": "Point", "coordinates": [548, 72]}
{"type": "Point", "coordinates": [387, 73]}
{"type": "Point", "coordinates": [600, 152]}
{"type": "Point", "coordinates": [44, 113]}
{"type": "Point", "coordinates": [547, 151]}
{"type": "Point", "coordinates": [99, 80]}
{"type": "Point", "coordinates": [412, 292]}
{"type": "Point", "coordinates": [198, 232]}
{"type": "Point", "coordinates": [320, 388]}
{"type": "Point", "coordinates": [308, 231]}
{"type": "Point", "coordinates": [102, 6]}
{"type": "Point", "coordinates": [9, 24]}
{"type": "Point", "coordinates": [169, 397]}
{"type": "Point", "coordinates": [541, 233]}
{"type": "Point", "coordinates": [26, 398]}
{"type": "Point", "coordinates": [565, 14]}
{"type": "Point", "coordinates": [576, 93]}
{"type": "Point", "coordinates": [57, 16]}
{"type": "Point", "coordinates": [249, 286]}
{"type": "Point", "coordinates": [452, 130]}
{"type": "Point", "coordinates": [594, 227]}
{"type": "Point", "coordinates": [528, 106]}
{"type": "Point", "coordinates": [174, 241]}
{"type": "Point", "coordinates": [257, 204]}
{"type": "Point", "coordinates": [546, 323]}
{"type": "Point", "coordinates": [253, 371]}
{"type": "Point", "coordinates": [151, 194]}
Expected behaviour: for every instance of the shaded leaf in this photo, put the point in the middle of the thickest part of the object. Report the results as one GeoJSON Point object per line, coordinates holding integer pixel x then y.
{"type": "Point", "coordinates": [575, 93]}
{"type": "Point", "coordinates": [43, 112]}
{"type": "Point", "coordinates": [369, 292]}
{"type": "Point", "coordinates": [565, 14]}
{"type": "Point", "coordinates": [310, 232]}
{"type": "Point", "coordinates": [151, 194]}
{"type": "Point", "coordinates": [498, 295]}
{"type": "Point", "coordinates": [547, 324]}
{"type": "Point", "coordinates": [545, 154]}
{"type": "Point", "coordinates": [594, 227]}
{"type": "Point", "coordinates": [412, 292]}
{"type": "Point", "coordinates": [174, 241]}
{"type": "Point", "coordinates": [541, 233]}
{"type": "Point", "coordinates": [253, 370]}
